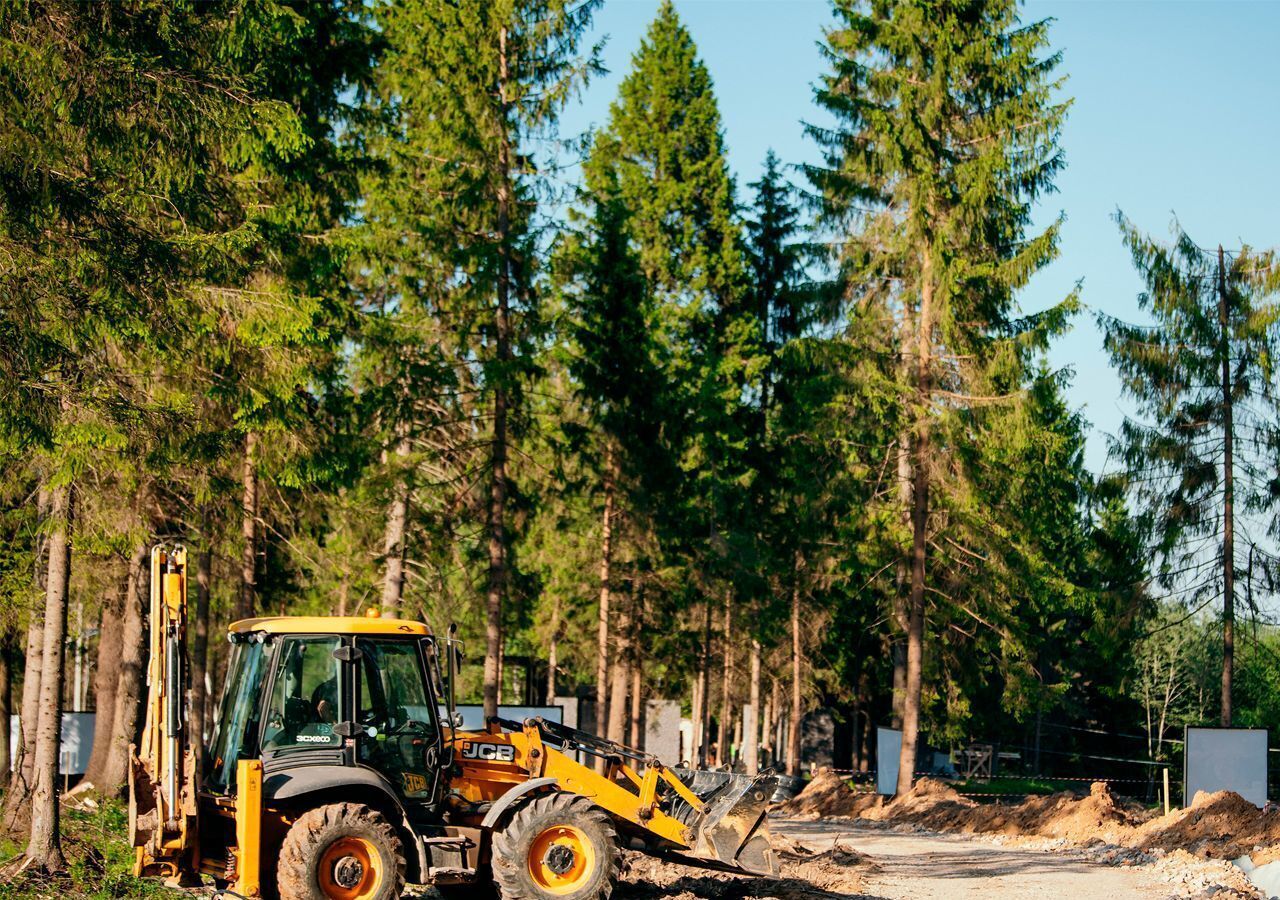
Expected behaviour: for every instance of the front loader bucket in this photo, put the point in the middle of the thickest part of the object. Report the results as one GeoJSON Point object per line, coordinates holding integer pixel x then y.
{"type": "Point", "coordinates": [733, 830]}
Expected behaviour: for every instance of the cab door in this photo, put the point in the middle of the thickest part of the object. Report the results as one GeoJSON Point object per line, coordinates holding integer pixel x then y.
{"type": "Point", "coordinates": [399, 730]}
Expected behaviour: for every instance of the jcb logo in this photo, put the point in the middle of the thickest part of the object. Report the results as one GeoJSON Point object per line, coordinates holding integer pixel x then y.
{"type": "Point", "coordinates": [495, 752]}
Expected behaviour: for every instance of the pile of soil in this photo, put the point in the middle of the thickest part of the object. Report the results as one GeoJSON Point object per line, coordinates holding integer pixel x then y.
{"type": "Point", "coordinates": [827, 795]}
{"type": "Point", "coordinates": [1221, 825]}
{"type": "Point", "coordinates": [834, 873]}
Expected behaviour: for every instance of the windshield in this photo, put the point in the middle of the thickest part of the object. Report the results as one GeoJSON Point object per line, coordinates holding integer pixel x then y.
{"type": "Point", "coordinates": [238, 716]}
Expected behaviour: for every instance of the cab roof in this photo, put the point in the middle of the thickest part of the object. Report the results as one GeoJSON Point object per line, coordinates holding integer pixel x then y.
{"type": "Point", "coordinates": [330, 625]}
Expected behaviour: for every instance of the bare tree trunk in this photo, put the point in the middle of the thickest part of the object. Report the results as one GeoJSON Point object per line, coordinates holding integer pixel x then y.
{"type": "Point", "coordinates": [553, 651]}
{"type": "Point", "coordinates": [620, 680]}
{"type": "Point", "coordinates": [393, 541]}
{"type": "Point", "coordinates": [1228, 501]}
{"type": "Point", "coordinates": [602, 620]}
{"type": "Point", "coordinates": [797, 683]}
{"type": "Point", "coordinates": [768, 726]}
{"type": "Point", "coordinates": [919, 534]}
{"type": "Point", "coordinates": [124, 728]}
{"type": "Point", "coordinates": [751, 723]}
{"type": "Point", "coordinates": [106, 680]}
{"type": "Point", "coordinates": [200, 638]}
{"type": "Point", "coordinates": [695, 719]}
{"type": "Point", "coordinates": [637, 683]}
{"type": "Point", "coordinates": [6, 699]}
{"type": "Point", "coordinates": [247, 599]}
{"type": "Point", "coordinates": [635, 664]}
{"type": "Point", "coordinates": [22, 775]}
{"type": "Point", "coordinates": [497, 578]}
{"type": "Point", "coordinates": [704, 683]}
{"type": "Point", "coordinates": [725, 735]}
{"type": "Point", "coordinates": [44, 850]}
{"type": "Point", "coordinates": [20, 778]}
{"type": "Point", "coordinates": [902, 582]}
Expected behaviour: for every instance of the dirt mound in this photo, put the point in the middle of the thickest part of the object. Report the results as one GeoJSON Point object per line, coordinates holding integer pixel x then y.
{"type": "Point", "coordinates": [1221, 825]}
{"type": "Point", "coordinates": [930, 803]}
{"type": "Point", "coordinates": [805, 875]}
{"type": "Point", "coordinates": [828, 795]}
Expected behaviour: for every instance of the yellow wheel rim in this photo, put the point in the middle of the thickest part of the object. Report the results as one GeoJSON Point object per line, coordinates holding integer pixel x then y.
{"type": "Point", "coordinates": [561, 859]}
{"type": "Point", "coordinates": [350, 869]}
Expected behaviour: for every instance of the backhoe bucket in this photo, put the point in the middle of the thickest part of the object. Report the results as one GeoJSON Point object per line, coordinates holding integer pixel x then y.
{"type": "Point", "coordinates": [733, 831]}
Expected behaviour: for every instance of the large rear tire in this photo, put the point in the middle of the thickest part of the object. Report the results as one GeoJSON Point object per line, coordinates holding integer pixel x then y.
{"type": "Point", "coordinates": [557, 846]}
{"type": "Point", "coordinates": [343, 851]}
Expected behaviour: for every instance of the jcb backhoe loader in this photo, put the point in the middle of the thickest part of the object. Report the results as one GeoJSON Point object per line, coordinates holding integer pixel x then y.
{"type": "Point", "coordinates": [336, 770]}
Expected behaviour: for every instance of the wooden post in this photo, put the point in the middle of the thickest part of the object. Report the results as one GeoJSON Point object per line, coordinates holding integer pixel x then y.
{"type": "Point", "coordinates": [1166, 790]}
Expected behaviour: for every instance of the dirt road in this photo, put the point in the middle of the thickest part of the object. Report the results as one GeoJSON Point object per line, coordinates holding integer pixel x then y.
{"type": "Point", "coordinates": [911, 866]}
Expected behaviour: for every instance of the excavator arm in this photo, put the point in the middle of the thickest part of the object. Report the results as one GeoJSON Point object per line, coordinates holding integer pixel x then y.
{"type": "Point", "coordinates": [164, 771]}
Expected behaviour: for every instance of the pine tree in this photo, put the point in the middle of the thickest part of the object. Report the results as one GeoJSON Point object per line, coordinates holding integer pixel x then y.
{"type": "Point", "coordinates": [946, 135]}
{"type": "Point", "coordinates": [1199, 455]}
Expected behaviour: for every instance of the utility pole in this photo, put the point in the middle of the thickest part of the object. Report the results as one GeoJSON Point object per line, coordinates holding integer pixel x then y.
{"type": "Point", "coordinates": [1228, 502]}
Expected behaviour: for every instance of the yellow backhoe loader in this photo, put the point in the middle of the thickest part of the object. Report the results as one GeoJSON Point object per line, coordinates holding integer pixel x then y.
{"type": "Point", "coordinates": [336, 769]}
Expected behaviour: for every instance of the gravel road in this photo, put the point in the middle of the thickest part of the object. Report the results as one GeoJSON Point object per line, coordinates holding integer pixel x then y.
{"type": "Point", "coordinates": [912, 866]}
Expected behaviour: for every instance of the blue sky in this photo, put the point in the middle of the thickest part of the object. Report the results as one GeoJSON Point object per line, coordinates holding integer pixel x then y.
{"type": "Point", "coordinates": [1176, 111]}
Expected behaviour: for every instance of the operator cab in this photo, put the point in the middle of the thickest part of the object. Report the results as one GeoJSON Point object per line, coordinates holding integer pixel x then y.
{"type": "Point", "coordinates": [332, 691]}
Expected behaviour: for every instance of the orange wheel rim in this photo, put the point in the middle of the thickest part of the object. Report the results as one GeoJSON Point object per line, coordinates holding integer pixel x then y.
{"type": "Point", "coordinates": [561, 859]}
{"type": "Point", "coordinates": [350, 869]}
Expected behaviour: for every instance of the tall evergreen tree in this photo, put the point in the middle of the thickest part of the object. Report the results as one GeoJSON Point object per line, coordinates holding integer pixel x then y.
{"type": "Point", "coordinates": [1200, 455]}
{"type": "Point", "coordinates": [472, 86]}
{"type": "Point", "coordinates": [946, 134]}
{"type": "Point", "coordinates": [663, 149]}
{"type": "Point", "coordinates": [112, 209]}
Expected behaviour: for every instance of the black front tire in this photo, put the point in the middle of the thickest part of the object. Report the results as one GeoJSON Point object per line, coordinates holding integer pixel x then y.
{"type": "Point", "coordinates": [334, 850]}
{"type": "Point", "coordinates": [557, 846]}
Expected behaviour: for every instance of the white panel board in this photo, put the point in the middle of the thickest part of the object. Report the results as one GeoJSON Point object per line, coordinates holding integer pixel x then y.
{"type": "Point", "coordinates": [76, 744]}
{"type": "Point", "coordinates": [662, 730]}
{"type": "Point", "coordinates": [1227, 759]}
{"type": "Point", "coordinates": [888, 747]}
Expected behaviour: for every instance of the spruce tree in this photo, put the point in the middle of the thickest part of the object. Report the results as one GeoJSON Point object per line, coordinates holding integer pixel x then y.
{"type": "Point", "coordinates": [663, 148]}
{"type": "Point", "coordinates": [471, 88]}
{"type": "Point", "coordinates": [946, 134]}
{"type": "Point", "coordinates": [1199, 455]}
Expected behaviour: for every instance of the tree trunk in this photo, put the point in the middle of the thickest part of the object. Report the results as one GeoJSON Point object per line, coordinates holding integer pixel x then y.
{"type": "Point", "coordinates": [553, 651]}
{"type": "Point", "coordinates": [602, 620]}
{"type": "Point", "coordinates": [129, 688]}
{"type": "Point", "coordinates": [704, 684]}
{"type": "Point", "coordinates": [724, 737]}
{"type": "Point", "coordinates": [797, 684]}
{"type": "Point", "coordinates": [620, 680]}
{"type": "Point", "coordinates": [1228, 501]}
{"type": "Point", "coordinates": [44, 850]}
{"type": "Point", "coordinates": [21, 777]}
{"type": "Point", "coordinates": [6, 700]}
{"type": "Point", "coordinates": [497, 577]}
{"type": "Point", "coordinates": [637, 701]}
{"type": "Point", "coordinates": [247, 599]}
{"type": "Point", "coordinates": [919, 534]}
{"type": "Point", "coordinates": [393, 542]}
{"type": "Point", "coordinates": [751, 723]}
{"type": "Point", "coordinates": [695, 719]}
{"type": "Point", "coordinates": [902, 582]}
{"type": "Point", "coordinates": [200, 638]}
{"type": "Point", "coordinates": [106, 680]}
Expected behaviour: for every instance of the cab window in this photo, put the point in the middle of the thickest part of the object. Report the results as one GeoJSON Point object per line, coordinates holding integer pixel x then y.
{"type": "Point", "coordinates": [399, 733]}
{"type": "Point", "coordinates": [306, 697]}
